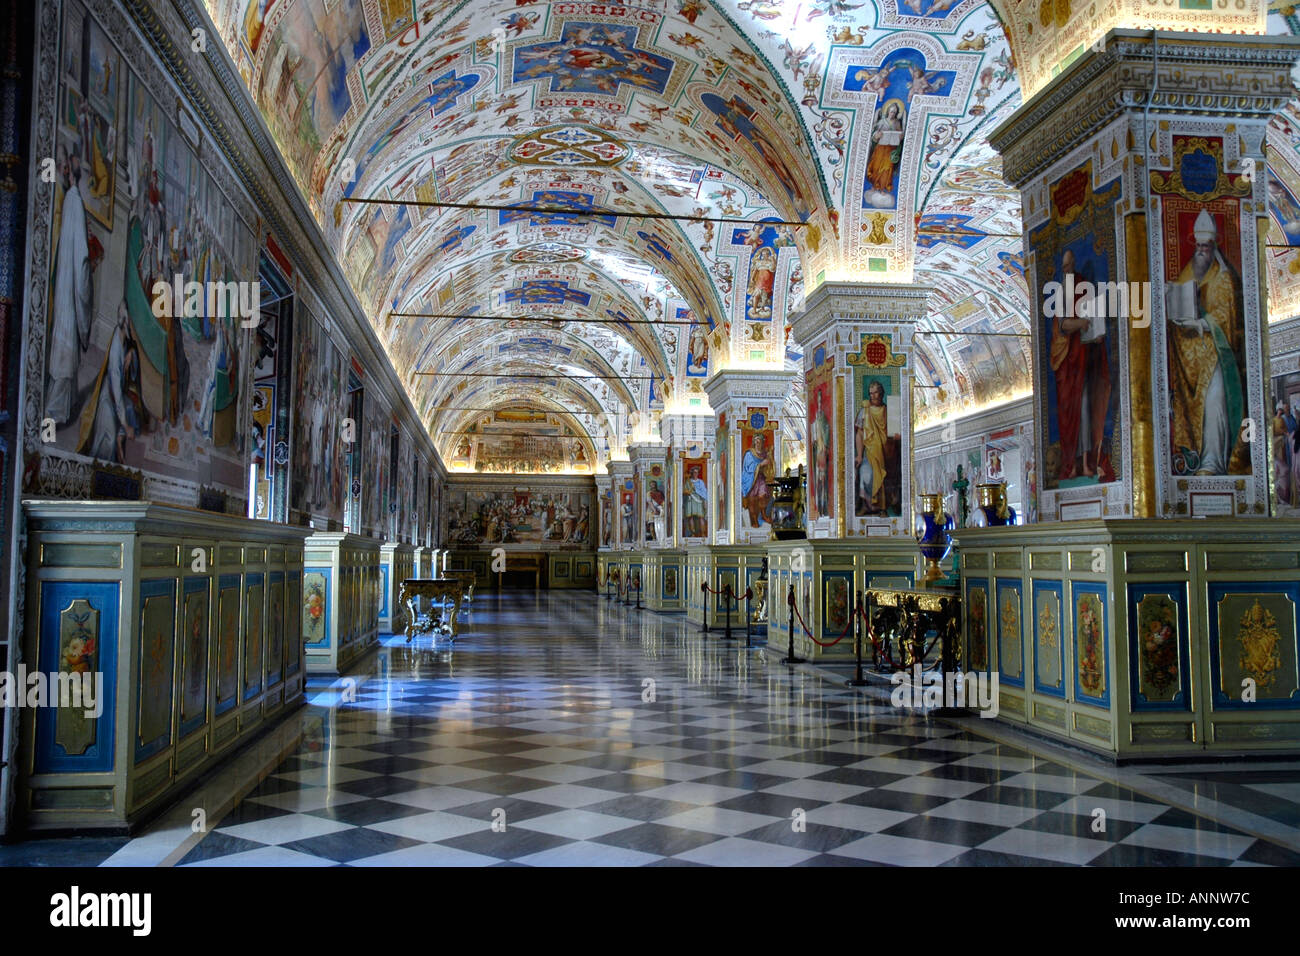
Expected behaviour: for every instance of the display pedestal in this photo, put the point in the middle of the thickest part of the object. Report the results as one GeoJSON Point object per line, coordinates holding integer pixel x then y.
{"type": "Point", "coordinates": [188, 623]}
{"type": "Point", "coordinates": [341, 595]}
{"type": "Point", "coordinates": [1140, 638]}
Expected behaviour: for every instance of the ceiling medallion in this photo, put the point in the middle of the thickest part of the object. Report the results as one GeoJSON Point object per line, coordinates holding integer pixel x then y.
{"type": "Point", "coordinates": [548, 252]}
{"type": "Point", "coordinates": [568, 146]}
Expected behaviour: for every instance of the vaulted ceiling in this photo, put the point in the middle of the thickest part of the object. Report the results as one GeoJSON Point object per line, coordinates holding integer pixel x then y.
{"type": "Point", "coordinates": [739, 130]}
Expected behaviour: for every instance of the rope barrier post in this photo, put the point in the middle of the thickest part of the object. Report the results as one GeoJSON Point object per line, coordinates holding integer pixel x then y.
{"type": "Point", "coordinates": [726, 593]}
{"type": "Point", "coordinates": [749, 618]}
{"type": "Point", "coordinates": [859, 679]}
{"type": "Point", "coordinates": [704, 591]}
{"type": "Point", "coordinates": [789, 657]}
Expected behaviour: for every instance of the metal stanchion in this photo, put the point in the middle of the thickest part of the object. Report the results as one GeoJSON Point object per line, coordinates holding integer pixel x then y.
{"type": "Point", "coordinates": [789, 657]}
{"type": "Point", "coordinates": [704, 589]}
{"type": "Point", "coordinates": [749, 618]}
{"type": "Point", "coordinates": [859, 680]}
{"type": "Point", "coordinates": [726, 593]}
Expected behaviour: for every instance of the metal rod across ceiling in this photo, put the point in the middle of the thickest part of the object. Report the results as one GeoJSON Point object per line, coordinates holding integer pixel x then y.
{"type": "Point", "coordinates": [621, 378]}
{"type": "Point", "coordinates": [531, 318]}
{"type": "Point", "coordinates": [994, 335]}
{"type": "Point", "coordinates": [595, 213]}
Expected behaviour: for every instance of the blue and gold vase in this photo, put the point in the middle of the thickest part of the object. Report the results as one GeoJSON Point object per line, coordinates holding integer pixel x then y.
{"type": "Point", "coordinates": [933, 527]}
{"type": "Point", "coordinates": [993, 510]}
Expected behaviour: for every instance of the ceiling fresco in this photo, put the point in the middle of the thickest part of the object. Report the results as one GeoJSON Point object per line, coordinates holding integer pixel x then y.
{"type": "Point", "coordinates": [768, 145]}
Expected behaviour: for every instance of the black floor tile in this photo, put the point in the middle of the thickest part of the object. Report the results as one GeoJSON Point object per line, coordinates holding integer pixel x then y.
{"type": "Point", "coordinates": [343, 846]}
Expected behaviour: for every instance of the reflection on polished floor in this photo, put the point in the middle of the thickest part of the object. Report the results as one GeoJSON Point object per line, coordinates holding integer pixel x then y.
{"type": "Point", "coordinates": [566, 730]}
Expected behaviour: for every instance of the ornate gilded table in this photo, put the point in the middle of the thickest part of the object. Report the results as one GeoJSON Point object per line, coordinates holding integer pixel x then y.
{"type": "Point", "coordinates": [909, 614]}
{"type": "Point", "coordinates": [467, 579]}
{"type": "Point", "coordinates": [438, 591]}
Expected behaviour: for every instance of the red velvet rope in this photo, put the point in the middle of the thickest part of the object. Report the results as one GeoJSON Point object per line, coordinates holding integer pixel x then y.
{"type": "Point", "coordinates": [732, 595]}
{"type": "Point", "coordinates": [843, 634]}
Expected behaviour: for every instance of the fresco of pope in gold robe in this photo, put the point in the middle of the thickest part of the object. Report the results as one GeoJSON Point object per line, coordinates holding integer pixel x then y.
{"type": "Point", "coordinates": [1203, 309]}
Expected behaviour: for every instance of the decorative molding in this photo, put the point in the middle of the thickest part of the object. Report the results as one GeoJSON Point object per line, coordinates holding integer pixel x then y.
{"type": "Point", "coordinates": [1247, 77]}
{"type": "Point", "coordinates": [877, 304]}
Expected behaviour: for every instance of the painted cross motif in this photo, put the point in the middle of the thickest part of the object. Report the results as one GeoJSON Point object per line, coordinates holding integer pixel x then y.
{"type": "Point", "coordinates": [896, 81]}
{"type": "Point", "coordinates": [933, 230]}
{"type": "Point", "coordinates": [764, 242]}
{"type": "Point", "coordinates": [453, 239]}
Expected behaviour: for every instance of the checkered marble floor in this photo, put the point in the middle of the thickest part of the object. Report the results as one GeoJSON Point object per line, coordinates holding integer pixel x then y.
{"type": "Point", "coordinates": [561, 730]}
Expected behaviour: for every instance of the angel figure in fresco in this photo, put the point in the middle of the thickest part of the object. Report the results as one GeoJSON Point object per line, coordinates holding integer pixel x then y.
{"type": "Point", "coordinates": [689, 10]}
{"type": "Point", "coordinates": [886, 154]}
{"type": "Point", "coordinates": [874, 80]}
{"type": "Point", "coordinates": [697, 349]}
{"type": "Point", "coordinates": [922, 83]}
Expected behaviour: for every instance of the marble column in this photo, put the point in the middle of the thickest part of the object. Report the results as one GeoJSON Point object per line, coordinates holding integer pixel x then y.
{"type": "Point", "coordinates": [1142, 167]}
{"type": "Point", "coordinates": [857, 344]}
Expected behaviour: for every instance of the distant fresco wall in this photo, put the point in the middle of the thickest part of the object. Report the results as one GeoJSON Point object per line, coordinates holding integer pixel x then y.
{"type": "Point", "coordinates": [532, 514]}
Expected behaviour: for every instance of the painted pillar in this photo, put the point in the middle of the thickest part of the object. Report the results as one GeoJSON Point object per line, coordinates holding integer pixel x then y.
{"type": "Point", "coordinates": [690, 441]}
{"type": "Point", "coordinates": [1142, 167]}
{"type": "Point", "coordinates": [653, 490]}
{"type": "Point", "coordinates": [857, 344]}
{"type": "Point", "coordinates": [606, 516]}
{"type": "Point", "coordinates": [624, 535]}
{"type": "Point", "coordinates": [746, 405]}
